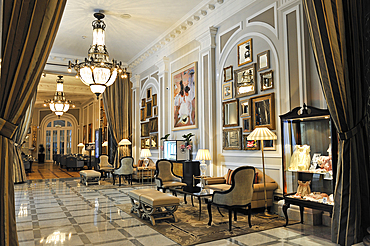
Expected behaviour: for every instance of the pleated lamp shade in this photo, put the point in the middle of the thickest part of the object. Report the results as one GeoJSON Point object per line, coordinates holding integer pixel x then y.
{"type": "Point", "coordinates": [203, 154]}
{"type": "Point", "coordinates": [145, 153]}
{"type": "Point", "coordinates": [262, 133]}
{"type": "Point", "coordinates": [124, 142]}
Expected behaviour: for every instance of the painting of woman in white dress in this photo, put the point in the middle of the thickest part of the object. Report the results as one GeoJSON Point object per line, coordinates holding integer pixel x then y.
{"type": "Point", "coordinates": [184, 97]}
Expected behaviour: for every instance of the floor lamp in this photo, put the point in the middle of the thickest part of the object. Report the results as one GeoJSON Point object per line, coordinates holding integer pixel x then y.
{"type": "Point", "coordinates": [80, 145]}
{"type": "Point", "coordinates": [263, 133]}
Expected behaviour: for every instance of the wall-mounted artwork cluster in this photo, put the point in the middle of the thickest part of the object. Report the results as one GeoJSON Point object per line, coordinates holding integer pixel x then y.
{"type": "Point", "coordinates": [242, 109]}
{"type": "Point", "coordinates": [149, 118]}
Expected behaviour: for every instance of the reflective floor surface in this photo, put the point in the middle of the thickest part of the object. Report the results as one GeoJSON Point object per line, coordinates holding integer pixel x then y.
{"type": "Point", "coordinates": [65, 212]}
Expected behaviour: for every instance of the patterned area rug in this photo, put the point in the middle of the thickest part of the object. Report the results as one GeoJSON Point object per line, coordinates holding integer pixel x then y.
{"type": "Point", "coordinates": [189, 230]}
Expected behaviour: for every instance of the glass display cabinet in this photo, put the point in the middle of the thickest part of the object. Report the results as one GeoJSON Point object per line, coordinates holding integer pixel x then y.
{"type": "Point", "coordinates": [309, 144]}
{"type": "Point", "coordinates": [175, 150]}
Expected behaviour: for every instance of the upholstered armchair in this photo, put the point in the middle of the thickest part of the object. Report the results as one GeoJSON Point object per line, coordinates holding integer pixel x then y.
{"type": "Point", "coordinates": [104, 162]}
{"type": "Point", "coordinates": [126, 170]}
{"type": "Point", "coordinates": [164, 176]}
{"type": "Point", "coordinates": [238, 196]}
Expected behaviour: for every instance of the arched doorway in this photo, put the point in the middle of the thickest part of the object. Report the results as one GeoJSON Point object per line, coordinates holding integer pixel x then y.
{"type": "Point", "coordinates": [59, 136]}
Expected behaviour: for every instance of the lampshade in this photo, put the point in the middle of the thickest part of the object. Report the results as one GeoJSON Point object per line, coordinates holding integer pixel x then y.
{"type": "Point", "coordinates": [80, 145]}
{"type": "Point", "coordinates": [124, 142]}
{"type": "Point", "coordinates": [145, 153]}
{"type": "Point", "coordinates": [105, 144]}
{"type": "Point", "coordinates": [262, 133]}
{"type": "Point", "coordinates": [203, 154]}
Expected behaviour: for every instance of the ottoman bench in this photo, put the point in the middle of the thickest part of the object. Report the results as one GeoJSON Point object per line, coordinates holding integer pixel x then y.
{"type": "Point", "coordinates": [153, 204]}
{"type": "Point", "coordinates": [89, 177]}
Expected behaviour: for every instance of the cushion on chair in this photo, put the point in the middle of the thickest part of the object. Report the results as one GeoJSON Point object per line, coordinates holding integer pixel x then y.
{"type": "Point", "coordinates": [228, 176]}
{"type": "Point", "coordinates": [159, 199]}
{"type": "Point", "coordinates": [169, 184]}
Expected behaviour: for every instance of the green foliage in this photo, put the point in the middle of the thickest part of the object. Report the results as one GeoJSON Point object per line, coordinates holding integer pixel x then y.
{"type": "Point", "coordinates": [165, 137]}
{"type": "Point", "coordinates": [188, 137]}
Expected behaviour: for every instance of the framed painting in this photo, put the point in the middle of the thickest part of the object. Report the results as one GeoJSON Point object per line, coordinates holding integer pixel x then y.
{"type": "Point", "coordinates": [232, 139]}
{"type": "Point", "coordinates": [245, 81]}
{"type": "Point", "coordinates": [154, 141]}
{"type": "Point", "coordinates": [263, 60]}
{"type": "Point", "coordinates": [245, 109]}
{"type": "Point", "coordinates": [267, 80]}
{"type": "Point", "coordinates": [142, 114]}
{"type": "Point", "coordinates": [143, 102]}
{"type": "Point", "coordinates": [143, 143]}
{"type": "Point", "coordinates": [145, 129]}
{"type": "Point", "coordinates": [155, 111]}
{"type": "Point", "coordinates": [153, 125]}
{"type": "Point", "coordinates": [84, 134]}
{"type": "Point", "coordinates": [250, 144]}
{"type": "Point", "coordinates": [149, 94]}
{"type": "Point", "coordinates": [245, 52]}
{"type": "Point", "coordinates": [147, 143]}
{"type": "Point", "coordinates": [269, 145]}
{"type": "Point", "coordinates": [154, 99]}
{"type": "Point", "coordinates": [148, 110]}
{"type": "Point", "coordinates": [264, 111]}
{"type": "Point", "coordinates": [230, 113]}
{"type": "Point", "coordinates": [227, 91]}
{"type": "Point", "coordinates": [184, 101]}
{"type": "Point", "coordinates": [247, 124]}
{"type": "Point", "coordinates": [228, 73]}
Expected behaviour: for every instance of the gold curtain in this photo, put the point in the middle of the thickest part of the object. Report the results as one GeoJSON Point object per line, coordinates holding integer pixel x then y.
{"type": "Point", "coordinates": [19, 173]}
{"type": "Point", "coordinates": [118, 108]}
{"type": "Point", "coordinates": [28, 31]}
{"type": "Point", "coordinates": [339, 32]}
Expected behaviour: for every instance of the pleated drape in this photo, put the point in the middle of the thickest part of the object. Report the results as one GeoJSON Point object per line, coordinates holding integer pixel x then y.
{"type": "Point", "coordinates": [118, 108]}
{"type": "Point", "coordinates": [340, 41]}
{"type": "Point", "coordinates": [19, 173]}
{"type": "Point", "coordinates": [28, 32]}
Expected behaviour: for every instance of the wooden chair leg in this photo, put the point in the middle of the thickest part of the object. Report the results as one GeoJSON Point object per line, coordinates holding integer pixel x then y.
{"type": "Point", "coordinates": [230, 218]}
{"type": "Point", "coordinates": [249, 215]}
{"type": "Point", "coordinates": [114, 179]}
{"type": "Point", "coordinates": [235, 215]}
{"type": "Point", "coordinates": [220, 212]}
{"type": "Point", "coordinates": [209, 208]}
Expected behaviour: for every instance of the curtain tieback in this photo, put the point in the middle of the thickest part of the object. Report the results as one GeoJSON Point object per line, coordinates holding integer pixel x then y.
{"type": "Point", "coordinates": [7, 129]}
{"type": "Point", "coordinates": [352, 132]}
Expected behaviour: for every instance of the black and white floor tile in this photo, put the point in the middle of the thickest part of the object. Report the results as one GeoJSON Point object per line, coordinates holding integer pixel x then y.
{"type": "Point", "coordinates": [65, 212]}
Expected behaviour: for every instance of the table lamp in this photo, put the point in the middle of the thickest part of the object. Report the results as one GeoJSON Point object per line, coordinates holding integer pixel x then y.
{"type": "Point", "coordinates": [145, 153]}
{"type": "Point", "coordinates": [124, 142]}
{"type": "Point", "coordinates": [203, 156]}
{"type": "Point", "coordinates": [79, 146]}
{"type": "Point", "coordinates": [263, 133]}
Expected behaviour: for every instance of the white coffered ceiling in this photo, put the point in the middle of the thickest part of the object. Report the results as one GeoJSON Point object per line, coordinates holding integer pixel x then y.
{"type": "Point", "coordinates": [126, 38]}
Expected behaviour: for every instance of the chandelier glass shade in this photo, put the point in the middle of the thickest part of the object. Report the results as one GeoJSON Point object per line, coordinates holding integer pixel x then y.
{"type": "Point", "coordinates": [97, 71]}
{"type": "Point", "coordinates": [59, 104]}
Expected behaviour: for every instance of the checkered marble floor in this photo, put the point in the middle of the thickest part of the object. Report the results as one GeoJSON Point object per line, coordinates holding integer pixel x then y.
{"type": "Point", "coordinates": [64, 212]}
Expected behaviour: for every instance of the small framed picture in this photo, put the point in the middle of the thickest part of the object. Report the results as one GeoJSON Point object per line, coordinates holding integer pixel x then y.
{"type": "Point", "coordinates": [245, 52]}
{"type": "Point", "coordinates": [245, 81]}
{"type": "Point", "coordinates": [148, 110]}
{"type": "Point", "coordinates": [153, 124]}
{"type": "Point", "coordinates": [230, 113]}
{"type": "Point", "coordinates": [264, 111]}
{"type": "Point", "coordinates": [227, 91]}
{"type": "Point", "coordinates": [145, 128]}
{"type": "Point", "coordinates": [263, 60]}
{"type": "Point", "coordinates": [232, 139]}
{"type": "Point", "coordinates": [154, 100]}
{"type": "Point", "coordinates": [247, 124]}
{"type": "Point", "coordinates": [245, 110]}
{"type": "Point", "coordinates": [155, 111]}
{"type": "Point", "coordinates": [267, 80]}
{"type": "Point", "coordinates": [154, 141]}
{"type": "Point", "coordinates": [149, 94]}
{"type": "Point", "coordinates": [143, 102]}
{"type": "Point", "coordinates": [147, 143]}
{"type": "Point", "coordinates": [142, 114]}
{"type": "Point", "coordinates": [143, 143]}
{"type": "Point", "coordinates": [250, 144]}
{"type": "Point", "coordinates": [228, 73]}
{"type": "Point", "coordinates": [269, 145]}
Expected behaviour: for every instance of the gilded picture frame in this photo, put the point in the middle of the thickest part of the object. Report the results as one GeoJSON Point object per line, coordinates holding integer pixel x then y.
{"type": "Point", "coordinates": [245, 81]}
{"type": "Point", "coordinates": [148, 110]}
{"type": "Point", "coordinates": [184, 98]}
{"type": "Point", "coordinates": [228, 73]}
{"type": "Point", "coordinates": [153, 124]}
{"type": "Point", "coordinates": [142, 114]}
{"type": "Point", "coordinates": [154, 141]}
{"type": "Point", "coordinates": [267, 80]}
{"type": "Point", "coordinates": [145, 129]}
{"type": "Point", "coordinates": [263, 108]}
{"type": "Point", "coordinates": [250, 144]}
{"type": "Point", "coordinates": [149, 94]}
{"type": "Point", "coordinates": [230, 113]}
{"type": "Point", "coordinates": [232, 139]}
{"type": "Point", "coordinates": [227, 91]}
{"type": "Point", "coordinates": [245, 52]}
{"type": "Point", "coordinates": [246, 125]}
{"type": "Point", "coordinates": [245, 108]}
{"type": "Point", "coordinates": [154, 100]}
{"type": "Point", "coordinates": [263, 60]}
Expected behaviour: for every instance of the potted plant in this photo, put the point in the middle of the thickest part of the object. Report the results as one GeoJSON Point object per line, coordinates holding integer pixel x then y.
{"type": "Point", "coordinates": [41, 155]}
{"type": "Point", "coordinates": [187, 145]}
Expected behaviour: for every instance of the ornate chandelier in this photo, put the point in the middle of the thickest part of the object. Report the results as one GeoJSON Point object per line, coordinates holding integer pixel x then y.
{"type": "Point", "coordinates": [97, 71]}
{"type": "Point", "coordinates": [59, 104]}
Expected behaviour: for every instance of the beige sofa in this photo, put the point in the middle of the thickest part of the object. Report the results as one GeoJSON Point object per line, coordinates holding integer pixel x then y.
{"type": "Point", "coordinates": [258, 200]}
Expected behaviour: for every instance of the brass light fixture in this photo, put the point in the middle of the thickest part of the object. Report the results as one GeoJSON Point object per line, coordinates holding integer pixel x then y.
{"type": "Point", "coordinates": [59, 104]}
{"type": "Point", "coordinates": [97, 71]}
